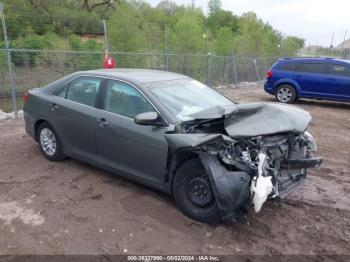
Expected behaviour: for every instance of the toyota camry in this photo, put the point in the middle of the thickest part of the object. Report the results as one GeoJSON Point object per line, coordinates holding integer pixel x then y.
{"type": "Point", "coordinates": [170, 132]}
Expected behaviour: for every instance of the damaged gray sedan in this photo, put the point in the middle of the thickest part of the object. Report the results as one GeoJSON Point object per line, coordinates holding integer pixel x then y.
{"type": "Point", "coordinates": [174, 134]}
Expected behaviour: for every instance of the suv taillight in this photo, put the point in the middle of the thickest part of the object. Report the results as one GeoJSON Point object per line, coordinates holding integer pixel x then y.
{"type": "Point", "coordinates": [269, 74]}
{"type": "Point", "coordinates": [25, 97]}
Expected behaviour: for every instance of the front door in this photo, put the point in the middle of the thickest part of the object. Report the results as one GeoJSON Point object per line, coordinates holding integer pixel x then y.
{"type": "Point", "coordinates": [122, 144]}
{"type": "Point", "coordinates": [338, 81]}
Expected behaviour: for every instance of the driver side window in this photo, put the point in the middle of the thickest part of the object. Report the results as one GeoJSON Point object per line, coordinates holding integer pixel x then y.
{"type": "Point", "coordinates": [123, 99]}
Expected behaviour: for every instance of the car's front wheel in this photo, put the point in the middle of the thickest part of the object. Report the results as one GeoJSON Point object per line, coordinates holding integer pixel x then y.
{"type": "Point", "coordinates": [193, 193]}
{"type": "Point", "coordinates": [286, 94]}
{"type": "Point", "coordinates": [49, 143]}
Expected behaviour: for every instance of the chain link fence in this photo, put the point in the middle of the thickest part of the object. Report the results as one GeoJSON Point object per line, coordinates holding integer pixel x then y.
{"type": "Point", "coordinates": [36, 68]}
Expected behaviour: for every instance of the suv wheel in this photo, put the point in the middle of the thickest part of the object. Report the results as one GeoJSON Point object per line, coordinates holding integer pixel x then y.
{"type": "Point", "coordinates": [286, 94]}
{"type": "Point", "coordinates": [193, 194]}
{"type": "Point", "coordinates": [49, 143]}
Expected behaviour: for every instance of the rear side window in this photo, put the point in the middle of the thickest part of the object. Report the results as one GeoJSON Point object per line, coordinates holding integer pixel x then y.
{"type": "Point", "coordinates": [287, 66]}
{"type": "Point", "coordinates": [339, 70]}
{"type": "Point", "coordinates": [82, 90]}
{"type": "Point", "coordinates": [317, 68]}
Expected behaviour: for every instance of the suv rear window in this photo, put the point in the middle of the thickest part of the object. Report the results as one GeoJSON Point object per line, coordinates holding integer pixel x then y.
{"type": "Point", "coordinates": [339, 70]}
{"type": "Point", "coordinates": [288, 66]}
{"type": "Point", "coordinates": [318, 68]}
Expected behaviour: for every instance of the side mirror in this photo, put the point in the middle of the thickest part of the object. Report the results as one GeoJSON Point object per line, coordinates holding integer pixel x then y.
{"type": "Point", "coordinates": [148, 119]}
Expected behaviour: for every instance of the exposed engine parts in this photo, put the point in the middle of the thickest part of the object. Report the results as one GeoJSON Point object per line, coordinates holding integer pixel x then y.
{"type": "Point", "coordinates": [275, 163]}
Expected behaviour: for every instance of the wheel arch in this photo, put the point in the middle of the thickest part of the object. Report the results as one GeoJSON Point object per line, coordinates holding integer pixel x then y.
{"type": "Point", "coordinates": [290, 82]}
{"type": "Point", "coordinates": [36, 127]}
{"type": "Point", "coordinates": [174, 162]}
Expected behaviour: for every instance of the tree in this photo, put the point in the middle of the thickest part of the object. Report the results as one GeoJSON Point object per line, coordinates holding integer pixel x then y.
{"type": "Point", "coordinates": [291, 45]}
{"type": "Point", "coordinates": [223, 42]}
{"type": "Point", "coordinates": [91, 5]}
{"type": "Point", "coordinates": [187, 34]}
{"type": "Point", "coordinates": [125, 32]}
{"type": "Point", "coordinates": [213, 6]}
{"type": "Point", "coordinates": [222, 18]}
{"type": "Point", "coordinates": [134, 25]}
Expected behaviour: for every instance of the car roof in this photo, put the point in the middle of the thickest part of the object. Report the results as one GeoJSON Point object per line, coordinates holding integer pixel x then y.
{"type": "Point", "coordinates": [136, 75]}
{"type": "Point", "coordinates": [312, 59]}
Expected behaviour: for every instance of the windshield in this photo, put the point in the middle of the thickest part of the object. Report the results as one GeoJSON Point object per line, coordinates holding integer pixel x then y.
{"type": "Point", "coordinates": [185, 97]}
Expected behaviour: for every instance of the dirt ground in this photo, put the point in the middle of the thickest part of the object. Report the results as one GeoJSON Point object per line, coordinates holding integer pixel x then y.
{"type": "Point", "coordinates": [72, 208]}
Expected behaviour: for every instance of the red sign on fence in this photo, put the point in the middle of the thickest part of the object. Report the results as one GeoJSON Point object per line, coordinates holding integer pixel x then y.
{"type": "Point", "coordinates": [108, 62]}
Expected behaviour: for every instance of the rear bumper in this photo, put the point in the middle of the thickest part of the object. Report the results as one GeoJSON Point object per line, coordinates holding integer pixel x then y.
{"type": "Point", "coordinates": [268, 88]}
{"type": "Point", "coordinates": [29, 124]}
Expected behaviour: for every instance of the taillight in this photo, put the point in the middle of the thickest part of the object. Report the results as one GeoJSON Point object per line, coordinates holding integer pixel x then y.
{"type": "Point", "coordinates": [269, 74]}
{"type": "Point", "coordinates": [25, 97]}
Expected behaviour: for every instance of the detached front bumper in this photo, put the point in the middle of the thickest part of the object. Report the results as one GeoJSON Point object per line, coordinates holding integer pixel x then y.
{"type": "Point", "coordinates": [235, 191]}
{"type": "Point", "coordinates": [293, 173]}
{"type": "Point", "coordinates": [302, 163]}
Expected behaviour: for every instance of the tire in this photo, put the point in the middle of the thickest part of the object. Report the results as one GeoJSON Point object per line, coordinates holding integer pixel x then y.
{"type": "Point", "coordinates": [50, 143]}
{"type": "Point", "coordinates": [286, 94]}
{"type": "Point", "coordinates": [188, 176]}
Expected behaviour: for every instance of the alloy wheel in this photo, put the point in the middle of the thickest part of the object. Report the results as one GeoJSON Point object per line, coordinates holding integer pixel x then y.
{"type": "Point", "coordinates": [285, 94]}
{"type": "Point", "coordinates": [48, 141]}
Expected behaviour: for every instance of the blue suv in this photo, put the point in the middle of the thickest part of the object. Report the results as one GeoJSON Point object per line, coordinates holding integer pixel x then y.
{"type": "Point", "coordinates": [321, 78]}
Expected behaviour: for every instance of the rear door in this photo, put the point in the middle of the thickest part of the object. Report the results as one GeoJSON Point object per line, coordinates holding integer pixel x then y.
{"type": "Point", "coordinates": [141, 151]}
{"type": "Point", "coordinates": [73, 115]}
{"type": "Point", "coordinates": [338, 80]}
{"type": "Point", "coordinates": [311, 77]}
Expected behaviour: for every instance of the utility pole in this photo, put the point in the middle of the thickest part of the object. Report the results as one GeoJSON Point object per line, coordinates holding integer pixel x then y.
{"type": "Point", "coordinates": [281, 44]}
{"type": "Point", "coordinates": [9, 62]}
{"type": "Point", "coordinates": [208, 58]}
{"type": "Point", "coordinates": [331, 46]}
{"type": "Point", "coordinates": [207, 42]}
{"type": "Point", "coordinates": [342, 45]}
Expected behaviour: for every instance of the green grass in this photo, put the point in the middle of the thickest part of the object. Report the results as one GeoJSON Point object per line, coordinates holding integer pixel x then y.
{"type": "Point", "coordinates": [6, 103]}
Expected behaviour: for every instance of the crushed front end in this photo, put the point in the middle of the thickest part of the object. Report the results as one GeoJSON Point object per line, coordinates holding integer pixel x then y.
{"type": "Point", "coordinates": [250, 155]}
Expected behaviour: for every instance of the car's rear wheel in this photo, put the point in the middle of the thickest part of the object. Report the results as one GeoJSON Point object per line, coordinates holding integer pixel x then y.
{"type": "Point", "coordinates": [193, 193]}
{"type": "Point", "coordinates": [286, 94]}
{"type": "Point", "coordinates": [49, 143]}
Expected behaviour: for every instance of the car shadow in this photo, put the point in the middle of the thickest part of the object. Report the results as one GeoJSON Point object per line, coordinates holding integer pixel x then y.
{"type": "Point", "coordinates": [310, 102]}
{"type": "Point", "coordinates": [323, 103]}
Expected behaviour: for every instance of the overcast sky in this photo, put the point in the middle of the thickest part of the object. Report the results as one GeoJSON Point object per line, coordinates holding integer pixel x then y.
{"type": "Point", "coordinates": [313, 20]}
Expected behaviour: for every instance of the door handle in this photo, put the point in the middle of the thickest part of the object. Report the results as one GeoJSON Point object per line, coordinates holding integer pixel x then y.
{"type": "Point", "coordinates": [297, 75]}
{"type": "Point", "coordinates": [331, 78]}
{"type": "Point", "coordinates": [53, 106]}
{"type": "Point", "coordinates": [102, 122]}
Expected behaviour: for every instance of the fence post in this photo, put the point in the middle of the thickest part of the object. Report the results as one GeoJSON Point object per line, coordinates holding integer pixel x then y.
{"type": "Point", "coordinates": [166, 55]}
{"type": "Point", "coordinates": [9, 62]}
{"type": "Point", "coordinates": [234, 71]}
{"type": "Point", "coordinates": [208, 69]}
{"type": "Point", "coordinates": [256, 70]}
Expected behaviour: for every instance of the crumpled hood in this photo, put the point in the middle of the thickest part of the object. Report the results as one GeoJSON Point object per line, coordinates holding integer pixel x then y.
{"type": "Point", "coordinates": [255, 119]}
{"type": "Point", "coordinates": [244, 121]}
